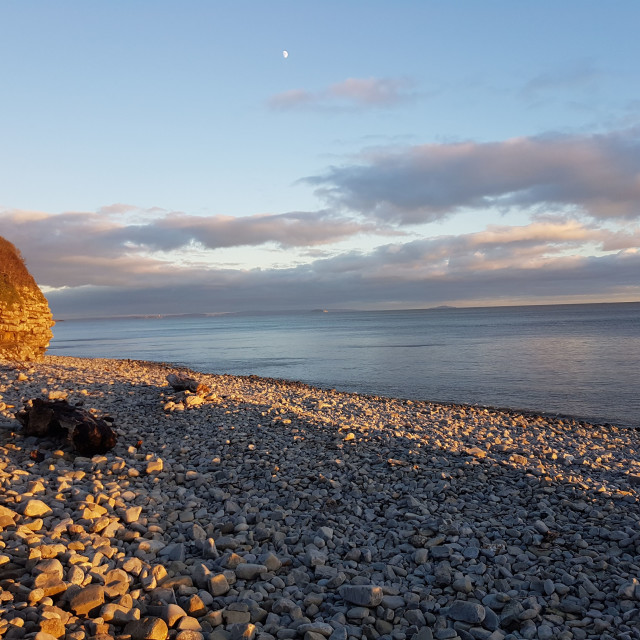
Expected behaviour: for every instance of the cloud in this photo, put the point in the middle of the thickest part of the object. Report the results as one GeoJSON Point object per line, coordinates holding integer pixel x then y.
{"type": "Point", "coordinates": [582, 241]}
{"type": "Point", "coordinates": [502, 263]}
{"type": "Point", "coordinates": [328, 284]}
{"type": "Point", "coordinates": [581, 75]}
{"type": "Point", "coordinates": [293, 229]}
{"type": "Point", "coordinates": [598, 175]}
{"type": "Point", "coordinates": [496, 248]}
{"type": "Point", "coordinates": [83, 247]}
{"type": "Point", "coordinates": [291, 99]}
{"type": "Point", "coordinates": [352, 92]}
{"type": "Point", "coordinates": [117, 209]}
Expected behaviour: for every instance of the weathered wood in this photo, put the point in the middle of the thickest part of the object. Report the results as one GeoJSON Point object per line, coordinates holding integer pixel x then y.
{"type": "Point", "coordinates": [183, 383]}
{"type": "Point", "coordinates": [57, 418]}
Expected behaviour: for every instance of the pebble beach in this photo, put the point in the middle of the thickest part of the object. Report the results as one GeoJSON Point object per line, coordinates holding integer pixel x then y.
{"type": "Point", "coordinates": [263, 509]}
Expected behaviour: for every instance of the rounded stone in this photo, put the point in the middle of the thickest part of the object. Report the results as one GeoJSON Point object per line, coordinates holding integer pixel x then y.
{"type": "Point", "coordinates": [149, 628]}
{"type": "Point", "coordinates": [362, 595]}
{"type": "Point", "coordinates": [464, 611]}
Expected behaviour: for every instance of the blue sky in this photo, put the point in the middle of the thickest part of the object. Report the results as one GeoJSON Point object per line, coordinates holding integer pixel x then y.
{"type": "Point", "coordinates": [162, 156]}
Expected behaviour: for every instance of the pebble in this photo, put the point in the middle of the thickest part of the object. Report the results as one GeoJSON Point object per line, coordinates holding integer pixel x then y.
{"type": "Point", "coordinates": [249, 571]}
{"type": "Point", "coordinates": [363, 595]}
{"type": "Point", "coordinates": [87, 599]}
{"type": "Point", "coordinates": [270, 510]}
{"type": "Point", "coordinates": [149, 628]}
{"type": "Point", "coordinates": [35, 508]}
{"type": "Point", "coordinates": [465, 611]}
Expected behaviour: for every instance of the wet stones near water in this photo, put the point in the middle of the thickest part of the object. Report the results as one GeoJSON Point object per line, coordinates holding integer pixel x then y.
{"type": "Point", "coordinates": [253, 515]}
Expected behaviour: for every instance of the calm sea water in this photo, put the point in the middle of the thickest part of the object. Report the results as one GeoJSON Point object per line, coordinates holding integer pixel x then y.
{"type": "Point", "coordinates": [580, 360]}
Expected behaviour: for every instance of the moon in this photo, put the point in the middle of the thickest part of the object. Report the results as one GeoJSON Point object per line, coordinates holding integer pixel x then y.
{"type": "Point", "coordinates": [285, 54]}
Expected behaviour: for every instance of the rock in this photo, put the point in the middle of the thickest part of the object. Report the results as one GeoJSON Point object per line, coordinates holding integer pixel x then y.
{"type": "Point", "coordinates": [87, 599]}
{"type": "Point", "coordinates": [173, 613]}
{"type": "Point", "coordinates": [132, 514]}
{"type": "Point", "coordinates": [116, 583]}
{"type": "Point", "coordinates": [34, 508]}
{"type": "Point", "coordinates": [49, 567]}
{"type": "Point", "coordinates": [322, 628]}
{"type": "Point", "coordinates": [393, 602]}
{"type": "Point", "coordinates": [545, 632]}
{"type": "Point", "coordinates": [53, 626]}
{"type": "Point", "coordinates": [188, 623]}
{"type": "Point", "coordinates": [463, 585]}
{"type": "Point", "coordinates": [195, 606]}
{"type": "Point", "coordinates": [209, 549]}
{"type": "Point", "coordinates": [465, 611]}
{"type": "Point", "coordinates": [149, 628]}
{"type": "Point", "coordinates": [362, 595]}
{"type": "Point", "coordinates": [271, 561]}
{"type": "Point", "coordinates": [119, 615]}
{"type": "Point", "coordinates": [218, 585]}
{"type": "Point", "coordinates": [49, 585]}
{"type": "Point", "coordinates": [9, 514]}
{"type": "Point", "coordinates": [248, 571]}
{"type": "Point", "coordinates": [188, 634]}
{"type": "Point", "coordinates": [245, 631]}
{"type": "Point", "coordinates": [154, 466]}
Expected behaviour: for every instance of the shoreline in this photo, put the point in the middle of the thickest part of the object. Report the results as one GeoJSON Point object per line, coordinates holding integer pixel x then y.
{"type": "Point", "coordinates": [269, 508]}
{"type": "Point", "coordinates": [513, 411]}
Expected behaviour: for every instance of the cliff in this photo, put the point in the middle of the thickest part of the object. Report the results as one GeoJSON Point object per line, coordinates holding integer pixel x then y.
{"type": "Point", "coordinates": [25, 318]}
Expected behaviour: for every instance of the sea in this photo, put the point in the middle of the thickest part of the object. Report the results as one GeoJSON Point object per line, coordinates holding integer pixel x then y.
{"type": "Point", "coordinates": [572, 360]}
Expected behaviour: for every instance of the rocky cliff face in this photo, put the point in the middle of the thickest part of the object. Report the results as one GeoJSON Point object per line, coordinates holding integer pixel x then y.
{"type": "Point", "coordinates": [25, 318]}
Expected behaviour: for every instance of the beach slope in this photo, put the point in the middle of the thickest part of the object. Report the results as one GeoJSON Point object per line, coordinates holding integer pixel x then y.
{"type": "Point", "coordinates": [271, 509]}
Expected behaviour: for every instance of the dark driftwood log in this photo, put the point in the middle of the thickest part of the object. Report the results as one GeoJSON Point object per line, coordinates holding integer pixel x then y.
{"type": "Point", "coordinates": [182, 383]}
{"type": "Point", "coordinates": [90, 435]}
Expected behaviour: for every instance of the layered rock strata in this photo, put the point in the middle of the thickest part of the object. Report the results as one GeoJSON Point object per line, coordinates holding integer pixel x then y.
{"type": "Point", "coordinates": [25, 318]}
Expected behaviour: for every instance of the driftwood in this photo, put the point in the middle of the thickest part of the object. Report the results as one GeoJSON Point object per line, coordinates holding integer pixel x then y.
{"type": "Point", "coordinates": [182, 383]}
{"type": "Point", "coordinates": [57, 418]}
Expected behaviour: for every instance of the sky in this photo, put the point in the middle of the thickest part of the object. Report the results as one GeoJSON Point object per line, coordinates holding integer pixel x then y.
{"type": "Point", "coordinates": [166, 157]}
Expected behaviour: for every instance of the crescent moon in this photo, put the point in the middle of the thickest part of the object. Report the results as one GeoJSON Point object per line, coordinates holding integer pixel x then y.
{"type": "Point", "coordinates": [285, 54]}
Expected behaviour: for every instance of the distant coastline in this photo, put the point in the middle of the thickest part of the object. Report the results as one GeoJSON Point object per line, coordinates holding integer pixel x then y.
{"type": "Point", "coordinates": [284, 312]}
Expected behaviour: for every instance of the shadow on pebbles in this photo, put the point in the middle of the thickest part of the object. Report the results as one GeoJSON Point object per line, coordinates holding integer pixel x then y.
{"type": "Point", "coordinates": [259, 508]}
